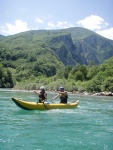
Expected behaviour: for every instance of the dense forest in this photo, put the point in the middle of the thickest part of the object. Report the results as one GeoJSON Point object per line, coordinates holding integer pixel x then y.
{"type": "Point", "coordinates": [91, 78]}
{"type": "Point", "coordinates": [6, 78]}
{"type": "Point", "coordinates": [76, 58]}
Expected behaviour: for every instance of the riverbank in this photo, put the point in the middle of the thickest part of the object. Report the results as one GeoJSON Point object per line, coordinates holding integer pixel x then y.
{"type": "Point", "coordinates": [95, 93]}
{"type": "Point", "coordinates": [106, 93]}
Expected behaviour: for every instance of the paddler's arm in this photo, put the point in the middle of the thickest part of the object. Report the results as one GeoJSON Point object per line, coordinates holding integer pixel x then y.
{"type": "Point", "coordinates": [55, 97]}
{"type": "Point", "coordinates": [63, 93]}
{"type": "Point", "coordinates": [36, 93]}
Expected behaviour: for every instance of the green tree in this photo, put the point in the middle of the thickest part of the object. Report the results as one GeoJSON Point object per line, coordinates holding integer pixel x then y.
{"type": "Point", "coordinates": [92, 71]}
{"type": "Point", "coordinates": [108, 84]}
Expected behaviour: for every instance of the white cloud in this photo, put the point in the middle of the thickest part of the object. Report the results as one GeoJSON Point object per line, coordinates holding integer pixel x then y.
{"type": "Point", "coordinates": [19, 26]}
{"type": "Point", "coordinates": [98, 25]}
{"type": "Point", "coordinates": [51, 24]}
{"type": "Point", "coordinates": [60, 25]}
{"type": "Point", "coordinates": [108, 33]}
{"type": "Point", "coordinates": [38, 20]}
{"type": "Point", "coordinates": [93, 22]}
{"type": "Point", "coordinates": [64, 24]}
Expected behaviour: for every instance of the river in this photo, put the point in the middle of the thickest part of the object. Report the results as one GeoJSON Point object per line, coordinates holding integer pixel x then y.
{"type": "Point", "coordinates": [87, 127]}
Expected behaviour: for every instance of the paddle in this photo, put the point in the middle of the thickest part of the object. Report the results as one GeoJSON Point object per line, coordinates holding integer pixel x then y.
{"type": "Point", "coordinates": [45, 106]}
{"type": "Point", "coordinates": [42, 102]}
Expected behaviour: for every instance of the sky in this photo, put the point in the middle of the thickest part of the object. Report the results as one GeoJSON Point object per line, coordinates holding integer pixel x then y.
{"type": "Point", "coordinates": [23, 15]}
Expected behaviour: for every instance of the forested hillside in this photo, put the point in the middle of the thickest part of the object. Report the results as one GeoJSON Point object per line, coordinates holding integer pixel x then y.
{"type": "Point", "coordinates": [72, 57]}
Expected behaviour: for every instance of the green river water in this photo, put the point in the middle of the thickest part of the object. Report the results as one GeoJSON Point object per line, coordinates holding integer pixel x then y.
{"type": "Point", "coordinates": [87, 127]}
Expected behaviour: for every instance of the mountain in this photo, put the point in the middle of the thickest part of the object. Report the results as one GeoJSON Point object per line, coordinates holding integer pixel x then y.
{"type": "Point", "coordinates": [56, 47]}
{"type": "Point", "coordinates": [91, 46]}
{"type": "Point", "coordinates": [1, 37]}
{"type": "Point", "coordinates": [77, 58]}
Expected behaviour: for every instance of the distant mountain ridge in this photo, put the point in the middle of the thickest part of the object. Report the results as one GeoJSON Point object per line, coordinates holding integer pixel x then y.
{"type": "Point", "coordinates": [68, 46]}
{"type": "Point", "coordinates": [91, 46]}
{"type": "Point", "coordinates": [2, 36]}
{"type": "Point", "coordinates": [57, 57]}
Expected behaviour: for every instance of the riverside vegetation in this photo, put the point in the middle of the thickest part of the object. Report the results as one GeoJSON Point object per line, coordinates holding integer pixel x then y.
{"type": "Point", "coordinates": [77, 58]}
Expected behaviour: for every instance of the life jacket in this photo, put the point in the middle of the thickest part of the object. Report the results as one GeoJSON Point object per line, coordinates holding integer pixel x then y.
{"type": "Point", "coordinates": [41, 96]}
{"type": "Point", "coordinates": [63, 97]}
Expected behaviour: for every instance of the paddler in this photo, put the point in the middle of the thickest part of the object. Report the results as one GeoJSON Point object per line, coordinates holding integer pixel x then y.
{"type": "Point", "coordinates": [63, 95]}
{"type": "Point", "coordinates": [41, 94]}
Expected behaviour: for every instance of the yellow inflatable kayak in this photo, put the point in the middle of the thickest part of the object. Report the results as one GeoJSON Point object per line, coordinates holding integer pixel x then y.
{"type": "Point", "coordinates": [43, 106]}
